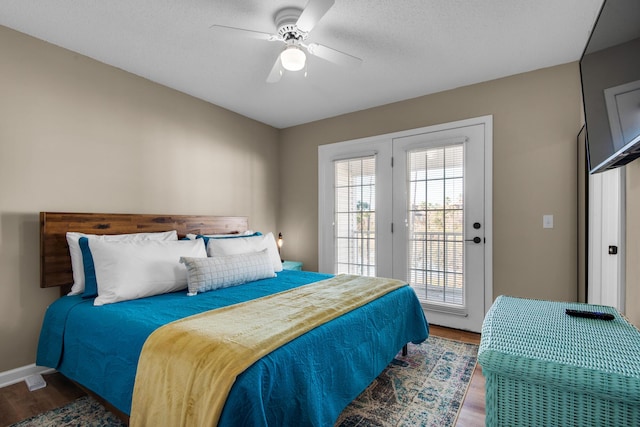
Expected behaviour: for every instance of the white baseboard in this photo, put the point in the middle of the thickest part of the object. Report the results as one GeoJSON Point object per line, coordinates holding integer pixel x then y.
{"type": "Point", "coordinates": [19, 374]}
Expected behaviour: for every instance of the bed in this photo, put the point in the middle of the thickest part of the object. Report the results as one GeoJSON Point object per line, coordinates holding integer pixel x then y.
{"type": "Point", "coordinates": [307, 381]}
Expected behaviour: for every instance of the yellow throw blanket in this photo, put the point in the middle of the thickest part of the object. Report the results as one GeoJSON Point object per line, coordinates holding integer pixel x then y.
{"type": "Point", "coordinates": [187, 367]}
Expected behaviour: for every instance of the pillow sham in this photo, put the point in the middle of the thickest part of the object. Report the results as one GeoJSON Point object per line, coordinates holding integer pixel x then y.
{"type": "Point", "coordinates": [206, 237]}
{"type": "Point", "coordinates": [76, 254]}
{"type": "Point", "coordinates": [138, 269]}
{"type": "Point", "coordinates": [207, 274]}
{"type": "Point", "coordinates": [245, 245]}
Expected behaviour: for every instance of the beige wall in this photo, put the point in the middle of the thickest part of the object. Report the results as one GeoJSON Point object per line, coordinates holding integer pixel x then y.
{"type": "Point", "coordinates": [77, 135]}
{"type": "Point", "coordinates": [536, 117]}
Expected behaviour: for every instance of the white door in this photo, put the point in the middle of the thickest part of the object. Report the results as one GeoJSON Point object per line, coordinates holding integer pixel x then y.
{"type": "Point", "coordinates": [439, 241]}
{"type": "Point", "coordinates": [607, 248]}
{"type": "Point", "coordinates": [409, 205]}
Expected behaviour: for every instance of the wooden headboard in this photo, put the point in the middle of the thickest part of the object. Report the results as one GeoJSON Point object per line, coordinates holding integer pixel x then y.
{"type": "Point", "coordinates": [55, 262]}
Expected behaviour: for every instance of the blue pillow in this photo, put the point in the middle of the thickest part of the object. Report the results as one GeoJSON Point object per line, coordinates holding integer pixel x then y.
{"type": "Point", "coordinates": [90, 281]}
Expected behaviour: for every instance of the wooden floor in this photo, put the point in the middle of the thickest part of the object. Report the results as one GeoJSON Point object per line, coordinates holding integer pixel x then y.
{"type": "Point", "coordinates": [17, 403]}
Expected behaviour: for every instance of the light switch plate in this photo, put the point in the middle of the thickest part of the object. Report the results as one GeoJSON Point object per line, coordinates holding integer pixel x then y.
{"type": "Point", "coordinates": [547, 221]}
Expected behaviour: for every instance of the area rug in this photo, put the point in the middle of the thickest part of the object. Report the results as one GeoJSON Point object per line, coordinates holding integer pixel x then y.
{"type": "Point", "coordinates": [424, 388]}
{"type": "Point", "coordinates": [83, 412]}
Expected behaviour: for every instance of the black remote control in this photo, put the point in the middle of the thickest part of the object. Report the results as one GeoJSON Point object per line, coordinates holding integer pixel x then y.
{"type": "Point", "coordinates": [590, 314]}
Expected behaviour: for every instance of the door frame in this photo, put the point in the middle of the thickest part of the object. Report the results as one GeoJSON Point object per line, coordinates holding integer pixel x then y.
{"type": "Point", "coordinates": [370, 144]}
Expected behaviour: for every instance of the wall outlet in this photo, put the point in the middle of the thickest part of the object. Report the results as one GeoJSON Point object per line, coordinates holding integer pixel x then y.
{"type": "Point", "coordinates": [547, 221]}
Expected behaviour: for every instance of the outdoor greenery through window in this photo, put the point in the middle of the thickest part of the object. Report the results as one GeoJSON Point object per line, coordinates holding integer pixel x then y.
{"type": "Point", "coordinates": [436, 223]}
{"type": "Point", "coordinates": [355, 216]}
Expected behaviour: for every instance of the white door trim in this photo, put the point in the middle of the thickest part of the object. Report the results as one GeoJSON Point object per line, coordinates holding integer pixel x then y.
{"type": "Point", "coordinates": [606, 275]}
{"type": "Point", "coordinates": [488, 210]}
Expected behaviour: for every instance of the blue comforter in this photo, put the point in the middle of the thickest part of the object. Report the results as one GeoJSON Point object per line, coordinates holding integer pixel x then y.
{"type": "Point", "coordinates": [306, 382]}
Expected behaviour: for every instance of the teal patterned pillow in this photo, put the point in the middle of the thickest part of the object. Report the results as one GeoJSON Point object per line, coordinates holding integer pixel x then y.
{"type": "Point", "coordinates": [207, 274]}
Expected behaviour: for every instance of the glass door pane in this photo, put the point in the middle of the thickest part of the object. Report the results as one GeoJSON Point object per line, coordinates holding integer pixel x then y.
{"type": "Point", "coordinates": [436, 224]}
{"type": "Point", "coordinates": [355, 216]}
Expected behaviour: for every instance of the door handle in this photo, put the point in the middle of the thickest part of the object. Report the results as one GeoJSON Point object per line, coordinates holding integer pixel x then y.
{"type": "Point", "coordinates": [474, 240]}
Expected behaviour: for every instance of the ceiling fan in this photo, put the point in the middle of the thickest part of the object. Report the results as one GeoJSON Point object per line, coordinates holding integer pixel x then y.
{"type": "Point", "coordinates": [293, 26]}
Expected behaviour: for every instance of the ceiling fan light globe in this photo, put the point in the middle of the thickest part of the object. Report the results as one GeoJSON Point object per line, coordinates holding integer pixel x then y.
{"type": "Point", "coordinates": [293, 58]}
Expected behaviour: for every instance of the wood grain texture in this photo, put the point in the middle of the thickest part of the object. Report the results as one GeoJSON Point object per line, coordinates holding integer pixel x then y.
{"type": "Point", "coordinates": [55, 262]}
{"type": "Point", "coordinates": [17, 403]}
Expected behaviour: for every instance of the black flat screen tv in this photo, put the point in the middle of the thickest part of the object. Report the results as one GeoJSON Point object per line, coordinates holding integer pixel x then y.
{"type": "Point", "coordinates": [610, 75]}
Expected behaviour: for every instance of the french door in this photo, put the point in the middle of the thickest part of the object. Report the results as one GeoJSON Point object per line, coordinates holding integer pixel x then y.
{"type": "Point", "coordinates": [415, 206]}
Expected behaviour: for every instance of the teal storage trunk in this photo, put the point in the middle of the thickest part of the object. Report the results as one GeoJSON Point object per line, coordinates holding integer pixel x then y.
{"type": "Point", "coordinates": [545, 368]}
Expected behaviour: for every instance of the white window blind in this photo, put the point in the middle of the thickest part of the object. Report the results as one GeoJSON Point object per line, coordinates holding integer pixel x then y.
{"type": "Point", "coordinates": [355, 216]}
{"type": "Point", "coordinates": [436, 222]}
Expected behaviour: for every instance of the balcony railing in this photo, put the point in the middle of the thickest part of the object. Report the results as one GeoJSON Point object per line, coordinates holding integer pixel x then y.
{"type": "Point", "coordinates": [435, 267]}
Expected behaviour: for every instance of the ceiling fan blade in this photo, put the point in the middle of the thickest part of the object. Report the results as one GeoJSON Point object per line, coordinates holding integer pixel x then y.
{"type": "Point", "coordinates": [333, 55]}
{"type": "Point", "coordinates": [276, 72]}
{"type": "Point", "coordinates": [311, 14]}
{"type": "Point", "coordinates": [250, 33]}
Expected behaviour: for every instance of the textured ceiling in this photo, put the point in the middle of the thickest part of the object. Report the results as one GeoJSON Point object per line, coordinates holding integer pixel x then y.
{"type": "Point", "coordinates": [409, 47]}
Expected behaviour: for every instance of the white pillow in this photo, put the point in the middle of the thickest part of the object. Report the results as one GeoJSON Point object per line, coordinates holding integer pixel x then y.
{"type": "Point", "coordinates": [221, 236]}
{"type": "Point", "coordinates": [207, 274]}
{"type": "Point", "coordinates": [245, 245]}
{"type": "Point", "coordinates": [76, 253]}
{"type": "Point", "coordinates": [131, 270]}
